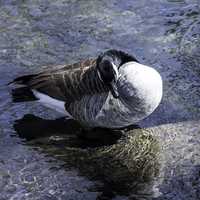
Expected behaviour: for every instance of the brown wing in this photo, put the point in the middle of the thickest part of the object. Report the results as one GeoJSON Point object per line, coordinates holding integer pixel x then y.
{"type": "Point", "coordinates": [67, 83]}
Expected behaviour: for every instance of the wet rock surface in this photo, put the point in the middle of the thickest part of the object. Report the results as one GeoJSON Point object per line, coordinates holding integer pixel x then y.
{"type": "Point", "coordinates": [42, 158]}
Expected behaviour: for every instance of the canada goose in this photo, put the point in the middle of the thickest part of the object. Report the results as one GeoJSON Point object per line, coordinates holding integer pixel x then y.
{"type": "Point", "coordinates": [112, 91]}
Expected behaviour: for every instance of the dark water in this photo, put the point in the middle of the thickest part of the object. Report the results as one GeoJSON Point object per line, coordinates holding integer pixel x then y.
{"type": "Point", "coordinates": [42, 158]}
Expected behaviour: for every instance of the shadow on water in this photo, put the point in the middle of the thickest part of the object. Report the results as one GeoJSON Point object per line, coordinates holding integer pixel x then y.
{"type": "Point", "coordinates": [34, 128]}
{"type": "Point", "coordinates": [126, 162]}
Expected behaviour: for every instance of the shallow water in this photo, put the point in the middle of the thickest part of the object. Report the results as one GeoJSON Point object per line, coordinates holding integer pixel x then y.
{"type": "Point", "coordinates": [42, 158]}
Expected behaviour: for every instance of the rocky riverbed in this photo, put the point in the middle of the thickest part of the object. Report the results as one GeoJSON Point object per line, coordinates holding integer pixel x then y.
{"type": "Point", "coordinates": [41, 157]}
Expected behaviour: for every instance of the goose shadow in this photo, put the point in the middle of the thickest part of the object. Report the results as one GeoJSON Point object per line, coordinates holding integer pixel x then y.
{"type": "Point", "coordinates": [126, 162]}
{"type": "Point", "coordinates": [33, 128]}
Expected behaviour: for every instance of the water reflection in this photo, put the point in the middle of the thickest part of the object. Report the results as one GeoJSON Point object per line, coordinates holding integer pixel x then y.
{"type": "Point", "coordinates": [124, 161]}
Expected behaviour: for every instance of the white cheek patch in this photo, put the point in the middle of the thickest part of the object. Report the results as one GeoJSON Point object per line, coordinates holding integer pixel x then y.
{"type": "Point", "coordinates": [99, 75]}
{"type": "Point", "coordinates": [116, 70]}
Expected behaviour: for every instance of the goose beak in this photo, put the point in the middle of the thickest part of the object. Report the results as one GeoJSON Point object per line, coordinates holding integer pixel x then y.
{"type": "Point", "coordinates": [113, 89]}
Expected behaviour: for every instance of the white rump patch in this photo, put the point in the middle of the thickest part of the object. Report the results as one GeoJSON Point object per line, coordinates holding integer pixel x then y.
{"type": "Point", "coordinates": [52, 103]}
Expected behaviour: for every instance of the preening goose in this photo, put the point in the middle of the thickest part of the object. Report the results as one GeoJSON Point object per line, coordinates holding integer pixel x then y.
{"type": "Point", "coordinates": [112, 91]}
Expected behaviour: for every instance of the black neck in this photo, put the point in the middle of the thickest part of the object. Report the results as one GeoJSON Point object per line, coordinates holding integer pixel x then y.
{"type": "Point", "coordinates": [116, 57]}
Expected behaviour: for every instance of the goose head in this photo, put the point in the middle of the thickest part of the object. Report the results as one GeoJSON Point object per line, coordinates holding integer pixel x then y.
{"type": "Point", "coordinates": [138, 86]}
{"type": "Point", "coordinates": [108, 64]}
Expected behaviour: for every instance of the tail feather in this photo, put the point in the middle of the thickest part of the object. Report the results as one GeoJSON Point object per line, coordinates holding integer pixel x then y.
{"type": "Point", "coordinates": [23, 94]}
{"type": "Point", "coordinates": [42, 82]}
{"type": "Point", "coordinates": [22, 80]}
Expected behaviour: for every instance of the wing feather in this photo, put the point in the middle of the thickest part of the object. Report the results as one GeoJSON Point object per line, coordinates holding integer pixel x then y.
{"type": "Point", "coordinates": [68, 83]}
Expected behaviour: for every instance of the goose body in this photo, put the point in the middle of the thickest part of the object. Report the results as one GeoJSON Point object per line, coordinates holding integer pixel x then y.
{"type": "Point", "coordinates": [98, 96]}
